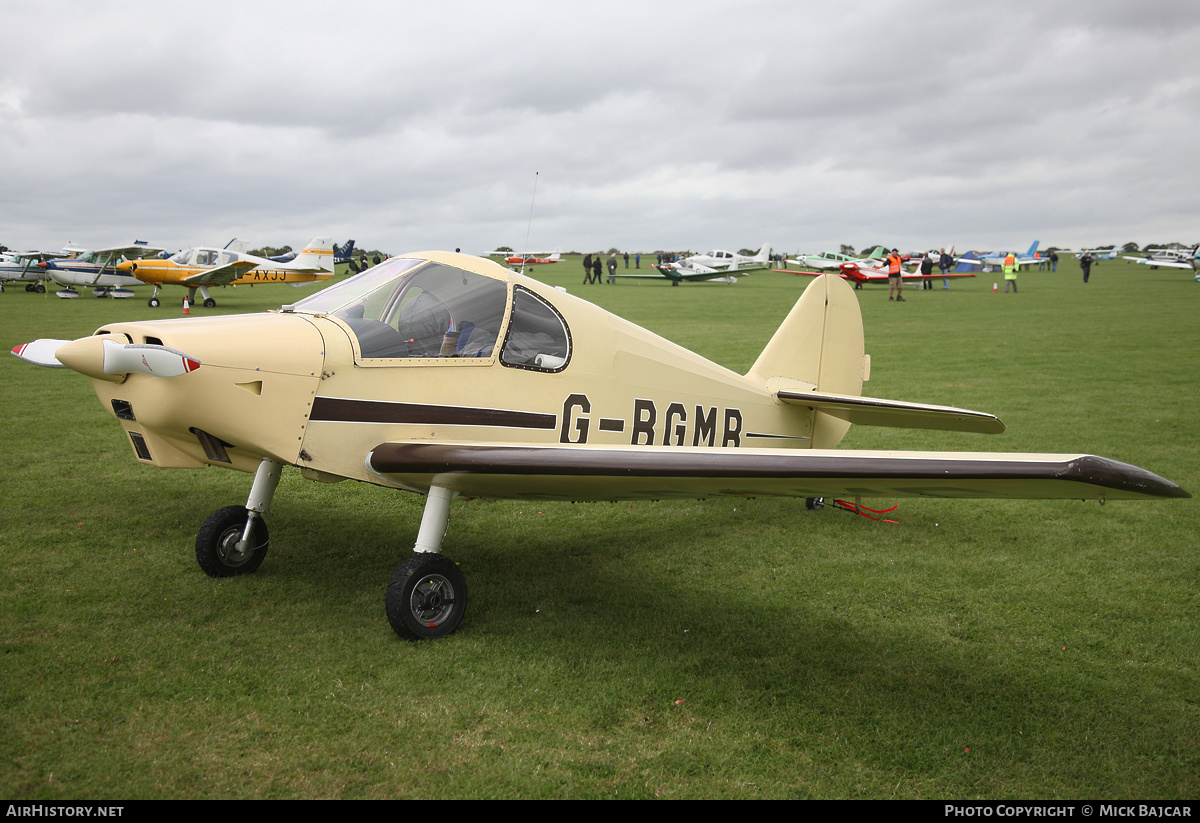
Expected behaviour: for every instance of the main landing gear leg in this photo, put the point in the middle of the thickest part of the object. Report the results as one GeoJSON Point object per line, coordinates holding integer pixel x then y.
{"type": "Point", "coordinates": [153, 301]}
{"type": "Point", "coordinates": [234, 540]}
{"type": "Point", "coordinates": [427, 595]}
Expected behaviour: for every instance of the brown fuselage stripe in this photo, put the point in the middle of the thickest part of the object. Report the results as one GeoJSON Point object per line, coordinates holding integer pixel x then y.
{"type": "Point", "coordinates": [431, 458]}
{"type": "Point", "coordinates": [341, 410]}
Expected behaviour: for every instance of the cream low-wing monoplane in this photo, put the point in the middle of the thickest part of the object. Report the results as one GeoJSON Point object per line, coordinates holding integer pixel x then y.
{"type": "Point", "coordinates": [202, 267]}
{"type": "Point", "coordinates": [445, 375]}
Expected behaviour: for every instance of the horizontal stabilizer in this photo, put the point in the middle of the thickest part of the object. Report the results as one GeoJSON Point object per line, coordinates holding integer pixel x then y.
{"type": "Point", "coordinates": [871, 411]}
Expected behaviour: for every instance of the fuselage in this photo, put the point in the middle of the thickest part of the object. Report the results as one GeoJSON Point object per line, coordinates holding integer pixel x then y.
{"type": "Point", "coordinates": [87, 271]}
{"type": "Point", "coordinates": [178, 269]}
{"type": "Point", "coordinates": [324, 384]}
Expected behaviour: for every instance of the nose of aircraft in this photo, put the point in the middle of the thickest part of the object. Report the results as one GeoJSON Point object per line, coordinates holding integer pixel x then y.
{"type": "Point", "coordinates": [107, 357]}
{"type": "Point", "coordinates": [104, 358]}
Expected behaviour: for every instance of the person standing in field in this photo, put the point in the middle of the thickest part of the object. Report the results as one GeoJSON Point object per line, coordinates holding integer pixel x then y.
{"type": "Point", "coordinates": [1085, 263]}
{"type": "Point", "coordinates": [945, 261]}
{"type": "Point", "coordinates": [895, 285]}
{"type": "Point", "coordinates": [1010, 272]}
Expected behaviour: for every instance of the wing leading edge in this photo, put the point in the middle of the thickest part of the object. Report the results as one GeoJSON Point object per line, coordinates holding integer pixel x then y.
{"type": "Point", "coordinates": [557, 473]}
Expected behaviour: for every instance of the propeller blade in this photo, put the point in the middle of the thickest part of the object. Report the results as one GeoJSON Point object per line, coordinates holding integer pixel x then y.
{"type": "Point", "coordinates": [40, 353]}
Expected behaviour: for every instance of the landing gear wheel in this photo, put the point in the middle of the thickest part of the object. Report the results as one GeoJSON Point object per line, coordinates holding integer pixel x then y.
{"type": "Point", "coordinates": [209, 303]}
{"type": "Point", "coordinates": [153, 303]}
{"type": "Point", "coordinates": [31, 287]}
{"type": "Point", "coordinates": [41, 289]}
{"type": "Point", "coordinates": [216, 544]}
{"type": "Point", "coordinates": [814, 502]}
{"type": "Point", "coordinates": [426, 598]}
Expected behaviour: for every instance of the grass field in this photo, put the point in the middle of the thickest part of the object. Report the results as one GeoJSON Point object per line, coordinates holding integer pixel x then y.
{"type": "Point", "coordinates": [725, 649]}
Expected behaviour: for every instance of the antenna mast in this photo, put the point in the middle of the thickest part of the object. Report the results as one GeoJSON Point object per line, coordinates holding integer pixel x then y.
{"type": "Point", "coordinates": [525, 252]}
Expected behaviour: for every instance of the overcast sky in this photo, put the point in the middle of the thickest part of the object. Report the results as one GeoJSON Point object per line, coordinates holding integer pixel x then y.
{"type": "Point", "coordinates": [676, 125]}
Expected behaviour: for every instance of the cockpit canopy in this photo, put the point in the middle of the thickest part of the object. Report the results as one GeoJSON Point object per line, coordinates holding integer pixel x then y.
{"type": "Point", "coordinates": [414, 308]}
{"type": "Point", "coordinates": [204, 257]}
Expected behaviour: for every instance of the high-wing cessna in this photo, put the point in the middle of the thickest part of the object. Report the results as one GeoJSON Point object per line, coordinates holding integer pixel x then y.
{"type": "Point", "coordinates": [22, 267]}
{"type": "Point", "coordinates": [99, 269]}
{"type": "Point", "coordinates": [721, 259]}
{"type": "Point", "coordinates": [446, 375]}
{"type": "Point", "coordinates": [202, 267]}
{"type": "Point", "coordinates": [529, 258]}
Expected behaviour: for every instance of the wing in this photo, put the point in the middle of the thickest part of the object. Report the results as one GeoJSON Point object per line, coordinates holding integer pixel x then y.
{"type": "Point", "coordinates": [1166, 264]}
{"type": "Point", "coordinates": [130, 252]}
{"type": "Point", "coordinates": [593, 473]}
{"type": "Point", "coordinates": [936, 275]}
{"type": "Point", "coordinates": [221, 275]}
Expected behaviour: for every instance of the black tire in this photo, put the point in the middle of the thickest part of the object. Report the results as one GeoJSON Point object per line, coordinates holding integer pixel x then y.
{"type": "Point", "coordinates": [426, 597]}
{"type": "Point", "coordinates": [41, 288]}
{"type": "Point", "coordinates": [209, 303]}
{"type": "Point", "coordinates": [814, 502]}
{"type": "Point", "coordinates": [31, 287]}
{"type": "Point", "coordinates": [216, 543]}
{"type": "Point", "coordinates": [152, 302]}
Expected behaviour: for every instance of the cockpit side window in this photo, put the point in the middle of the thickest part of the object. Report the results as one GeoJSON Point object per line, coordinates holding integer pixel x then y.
{"type": "Point", "coordinates": [538, 337]}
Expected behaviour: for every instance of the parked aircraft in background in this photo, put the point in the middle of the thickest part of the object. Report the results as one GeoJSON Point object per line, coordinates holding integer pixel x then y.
{"type": "Point", "coordinates": [824, 261]}
{"type": "Point", "coordinates": [686, 272]}
{"type": "Point", "coordinates": [721, 259]}
{"type": "Point", "coordinates": [1098, 254]}
{"type": "Point", "coordinates": [995, 260]}
{"type": "Point", "coordinates": [529, 258]}
{"type": "Point", "coordinates": [831, 261]}
{"type": "Point", "coordinates": [864, 271]}
{"type": "Point", "coordinates": [99, 269]}
{"type": "Point", "coordinates": [1168, 258]}
{"type": "Point", "coordinates": [202, 267]}
{"type": "Point", "coordinates": [22, 267]}
{"type": "Point", "coordinates": [444, 375]}
{"type": "Point", "coordinates": [344, 253]}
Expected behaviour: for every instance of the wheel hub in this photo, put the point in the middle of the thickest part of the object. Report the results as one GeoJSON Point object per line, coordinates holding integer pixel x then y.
{"type": "Point", "coordinates": [432, 600]}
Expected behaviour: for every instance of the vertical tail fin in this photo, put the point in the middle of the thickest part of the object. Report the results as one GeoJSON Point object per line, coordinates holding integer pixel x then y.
{"type": "Point", "coordinates": [819, 347]}
{"type": "Point", "coordinates": [317, 256]}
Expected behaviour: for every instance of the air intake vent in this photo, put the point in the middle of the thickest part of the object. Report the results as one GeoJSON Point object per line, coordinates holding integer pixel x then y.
{"type": "Point", "coordinates": [123, 409]}
{"type": "Point", "coordinates": [139, 446]}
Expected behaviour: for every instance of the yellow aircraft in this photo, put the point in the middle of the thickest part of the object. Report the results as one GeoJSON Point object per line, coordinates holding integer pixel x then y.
{"type": "Point", "coordinates": [202, 267]}
{"type": "Point", "coordinates": [446, 375]}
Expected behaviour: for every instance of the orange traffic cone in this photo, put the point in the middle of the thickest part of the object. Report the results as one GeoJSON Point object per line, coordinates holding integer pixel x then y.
{"type": "Point", "coordinates": [995, 286]}
{"type": "Point", "coordinates": [186, 308]}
